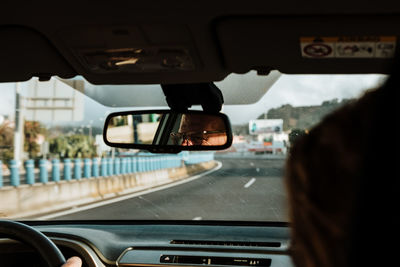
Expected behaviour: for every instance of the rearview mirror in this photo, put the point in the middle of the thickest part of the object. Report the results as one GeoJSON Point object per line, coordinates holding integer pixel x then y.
{"type": "Point", "coordinates": [168, 131]}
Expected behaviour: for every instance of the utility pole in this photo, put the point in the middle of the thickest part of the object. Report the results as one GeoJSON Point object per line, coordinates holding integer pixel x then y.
{"type": "Point", "coordinates": [19, 124]}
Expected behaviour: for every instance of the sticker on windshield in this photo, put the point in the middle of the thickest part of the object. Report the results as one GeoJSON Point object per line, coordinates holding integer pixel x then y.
{"type": "Point", "coordinates": [348, 47]}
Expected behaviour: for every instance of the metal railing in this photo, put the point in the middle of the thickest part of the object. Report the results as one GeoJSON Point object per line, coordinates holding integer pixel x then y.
{"type": "Point", "coordinates": [75, 169]}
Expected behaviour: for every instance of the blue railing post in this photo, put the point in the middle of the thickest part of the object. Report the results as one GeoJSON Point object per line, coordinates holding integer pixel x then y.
{"type": "Point", "coordinates": [86, 168]}
{"type": "Point", "coordinates": [77, 169]}
{"type": "Point", "coordinates": [144, 163]}
{"type": "Point", "coordinates": [123, 165]}
{"type": "Point", "coordinates": [110, 170]}
{"type": "Point", "coordinates": [153, 163]}
{"type": "Point", "coordinates": [147, 163]}
{"type": "Point", "coordinates": [173, 161]}
{"type": "Point", "coordinates": [117, 166]}
{"type": "Point", "coordinates": [29, 171]}
{"type": "Point", "coordinates": [163, 162]}
{"type": "Point", "coordinates": [55, 170]}
{"type": "Point", "coordinates": [43, 174]}
{"type": "Point", "coordinates": [128, 165]}
{"type": "Point", "coordinates": [155, 159]}
{"type": "Point", "coordinates": [95, 167]}
{"type": "Point", "coordinates": [139, 164]}
{"type": "Point", "coordinates": [1, 174]}
{"type": "Point", "coordinates": [67, 169]}
{"type": "Point", "coordinates": [134, 165]}
{"type": "Point", "coordinates": [14, 173]}
{"type": "Point", "coordinates": [103, 167]}
{"type": "Point", "coordinates": [159, 165]}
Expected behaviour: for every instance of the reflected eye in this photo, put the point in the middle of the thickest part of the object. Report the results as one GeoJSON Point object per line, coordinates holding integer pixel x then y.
{"type": "Point", "coordinates": [189, 138]}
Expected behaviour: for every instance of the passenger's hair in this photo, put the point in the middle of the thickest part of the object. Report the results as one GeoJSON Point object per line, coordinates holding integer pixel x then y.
{"type": "Point", "coordinates": [335, 176]}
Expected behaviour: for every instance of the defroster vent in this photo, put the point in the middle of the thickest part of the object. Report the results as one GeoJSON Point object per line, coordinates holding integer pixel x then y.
{"type": "Point", "coordinates": [226, 243]}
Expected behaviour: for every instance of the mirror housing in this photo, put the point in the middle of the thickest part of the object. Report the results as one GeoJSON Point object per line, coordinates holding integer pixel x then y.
{"type": "Point", "coordinates": [167, 131]}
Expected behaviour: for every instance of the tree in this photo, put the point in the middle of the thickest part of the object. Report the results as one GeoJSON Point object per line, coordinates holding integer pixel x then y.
{"type": "Point", "coordinates": [74, 146]}
{"type": "Point", "coordinates": [6, 142]}
{"type": "Point", "coordinates": [32, 130]}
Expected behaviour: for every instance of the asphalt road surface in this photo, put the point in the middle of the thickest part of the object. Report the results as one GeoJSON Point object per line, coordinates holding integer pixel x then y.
{"type": "Point", "coordinates": [242, 189]}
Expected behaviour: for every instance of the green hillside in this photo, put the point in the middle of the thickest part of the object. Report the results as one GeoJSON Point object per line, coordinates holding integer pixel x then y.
{"type": "Point", "coordinates": [303, 117]}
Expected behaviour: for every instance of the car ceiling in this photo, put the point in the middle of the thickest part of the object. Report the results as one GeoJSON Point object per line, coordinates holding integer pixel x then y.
{"type": "Point", "coordinates": [211, 38]}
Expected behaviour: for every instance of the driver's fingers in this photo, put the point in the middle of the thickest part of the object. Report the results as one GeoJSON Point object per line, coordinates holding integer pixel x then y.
{"type": "Point", "coordinates": [73, 262]}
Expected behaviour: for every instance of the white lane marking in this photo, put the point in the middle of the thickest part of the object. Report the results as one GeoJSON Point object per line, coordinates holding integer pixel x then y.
{"type": "Point", "coordinates": [197, 219]}
{"type": "Point", "coordinates": [249, 183]}
{"type": "Point", "coordinates": [117, 199]}
{"type": "Point", "coordinates": [251, 164]}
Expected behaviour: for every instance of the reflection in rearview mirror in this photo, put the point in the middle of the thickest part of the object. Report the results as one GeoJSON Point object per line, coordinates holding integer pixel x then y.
{"type": "Point", "coordinates": [133, 128]}
{"type": "Point", "coordinates": [167, 128]}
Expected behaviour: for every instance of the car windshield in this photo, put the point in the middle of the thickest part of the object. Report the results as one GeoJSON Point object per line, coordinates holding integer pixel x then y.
{"type": "Point", "coordinates": [55, 165]}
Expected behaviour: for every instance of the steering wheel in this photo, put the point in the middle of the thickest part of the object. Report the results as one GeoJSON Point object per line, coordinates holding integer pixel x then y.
{"type": "Point", "coordinates": [30, 236]}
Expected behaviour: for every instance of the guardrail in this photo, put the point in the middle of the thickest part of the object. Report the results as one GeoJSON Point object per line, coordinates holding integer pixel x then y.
{"type": "Point", "coordinates": [75, 169]}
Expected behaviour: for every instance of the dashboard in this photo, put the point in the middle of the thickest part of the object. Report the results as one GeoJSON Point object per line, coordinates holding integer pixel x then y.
{"type": "Point", "coordinates": [147, 244]}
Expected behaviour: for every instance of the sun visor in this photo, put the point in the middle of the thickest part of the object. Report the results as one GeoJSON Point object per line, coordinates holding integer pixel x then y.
{"type": "Point", "coordinates": [309, 45]}
{"type": "Point", "coordinates": [236, 89]}
{"type": "Point", "coordinates": [25, 53]}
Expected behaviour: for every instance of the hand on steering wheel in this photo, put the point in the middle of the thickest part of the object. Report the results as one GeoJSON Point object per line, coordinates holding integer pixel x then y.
{"type": "Point", "coordinates": [41, 243]}
{"type": "Point", "coordinates": [73, 262]}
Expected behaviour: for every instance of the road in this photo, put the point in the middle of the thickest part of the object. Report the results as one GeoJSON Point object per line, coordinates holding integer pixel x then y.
{"type": "Point", "coordinates": [242, 189]}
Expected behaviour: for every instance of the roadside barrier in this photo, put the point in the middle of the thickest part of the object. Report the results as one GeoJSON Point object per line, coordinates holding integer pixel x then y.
{"type": "Point", "coordinates": [14, 170]}
{"type": "Point", "coordinates": [67, 169]}
{"type": "Point", "coordinates": [55, 172]}
{"type": "Point", "coordinates": [87, 168]}
{"type": "Point", "coordinates": [43, 174]}
{"type": "Point", "coordinates": [30, 175]}
{"type": "Point", "coordinates": [95, 167]}
{"type": "Point", "coordinates": [76, 169]}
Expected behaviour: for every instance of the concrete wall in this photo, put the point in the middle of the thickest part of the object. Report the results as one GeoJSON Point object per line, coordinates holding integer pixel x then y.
{"type": "Point", "coordinates": [30, 200]}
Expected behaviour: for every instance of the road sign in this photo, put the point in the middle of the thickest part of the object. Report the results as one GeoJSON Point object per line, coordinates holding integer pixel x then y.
{"type": "Point", "coordinates": [265, 126]}
{"type": "Point", "coordinates": [54, 100]}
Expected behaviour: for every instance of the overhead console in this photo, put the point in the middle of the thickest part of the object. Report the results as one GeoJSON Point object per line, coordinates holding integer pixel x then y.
{"type": "Point", "coordinates": [139, 53]}
{"type": "Point", "coordinates": [327, 44]}
{"type": "Point", "coordinates": [133, 49]}
{"type": "Point", "coordinates": [137, 256]}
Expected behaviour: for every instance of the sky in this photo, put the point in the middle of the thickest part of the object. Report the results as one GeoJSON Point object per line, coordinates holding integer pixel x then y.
{"type": "Point", "coordinates": [296, 90]}
{"type": "Point", "coordinates": [304, 90]}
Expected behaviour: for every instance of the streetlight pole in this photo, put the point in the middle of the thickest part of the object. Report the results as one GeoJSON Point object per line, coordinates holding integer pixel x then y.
{"type": "Point", "coordinates": [19, 124]}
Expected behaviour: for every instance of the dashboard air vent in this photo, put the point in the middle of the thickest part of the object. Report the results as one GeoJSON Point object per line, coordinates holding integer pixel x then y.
{"type": "Point", "coordinates": [226, 243]}
{"type": "Point", "coordinates": [203, 260]}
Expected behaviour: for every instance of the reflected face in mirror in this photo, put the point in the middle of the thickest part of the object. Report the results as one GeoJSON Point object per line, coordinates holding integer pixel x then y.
{"type": "Point", "coordinates": [200, 130]}
{"type": "Point", "coordinates": [167, 128]}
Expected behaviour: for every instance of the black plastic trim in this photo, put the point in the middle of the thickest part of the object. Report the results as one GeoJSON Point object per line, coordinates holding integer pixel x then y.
{"type": "Point", "coordinates": [169, 148]}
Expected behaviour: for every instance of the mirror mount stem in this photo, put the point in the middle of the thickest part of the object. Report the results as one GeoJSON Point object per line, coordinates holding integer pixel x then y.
{"type": "Point", "coordinates": [180, 97]}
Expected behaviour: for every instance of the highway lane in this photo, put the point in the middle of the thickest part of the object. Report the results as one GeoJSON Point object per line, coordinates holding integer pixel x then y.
{"type": "Point", "coordinates": [243, 189]}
